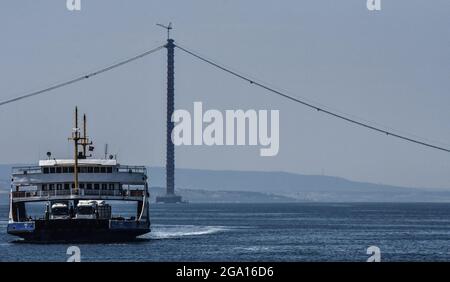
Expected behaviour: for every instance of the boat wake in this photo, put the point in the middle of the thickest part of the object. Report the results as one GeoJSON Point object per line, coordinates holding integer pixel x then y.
{"type": "Point", "coordinates": [180, 231]}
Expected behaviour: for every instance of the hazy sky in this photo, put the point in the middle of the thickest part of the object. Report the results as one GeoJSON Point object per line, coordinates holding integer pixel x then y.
{"type": "Point", "coordinates": [391, 67]}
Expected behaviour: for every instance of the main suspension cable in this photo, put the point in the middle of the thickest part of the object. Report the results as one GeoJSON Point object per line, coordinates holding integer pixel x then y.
{"type": "Point", "coordinates": [309, 104]}
{"type": "Point", "coordinates": [80, 78]}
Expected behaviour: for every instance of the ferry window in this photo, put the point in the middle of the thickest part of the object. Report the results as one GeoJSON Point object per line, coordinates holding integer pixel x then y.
{"type": "Point", "coordinates": [73, 185]}
{"type": "Point", "coordinates": [109, 169]}
{"type": "Point", "coordinates": [96, 186]}
{"type": "Point", "coordinates": [104, 186]}
{"type": "Point", "coordinates": [52, 170]}
{"type": "Point", "coordinates": [71, 169]}
{"type": "Point", "coordinates": [111, 186]}
{"type": "Point", "coordinates": [81, 185]}
{"type": "Point", "coordinates": [58, 186]}
{"type": "Point", "coordinates": [96, 169]}
{"type": "Point", "coordinates": [82, 169]}
{"type": "Point", "coordinates": [89, 186]}
{"type": "Point", "coordinates": [90, 169]}
{"type": "Point", "coordinates": [45, 170]}
{"type": "Point", "coordinates": [44, 187]}
{"type": "Point", "coordinates": [103, 169]}
{"type": "Point", "coordinates": [66, 186]}
{"type": "Point", "coordinates": [65, 169]}
{"type": "Point", "coordinates": [51, 187]}
{"type": "Point", "coordinates": [58, 170]}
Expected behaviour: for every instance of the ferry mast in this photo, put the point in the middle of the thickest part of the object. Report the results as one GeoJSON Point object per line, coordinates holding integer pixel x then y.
{"type": "Point", "coordinates": [79, 140]}
{"type": "Point", "coordinates": [76, 138]}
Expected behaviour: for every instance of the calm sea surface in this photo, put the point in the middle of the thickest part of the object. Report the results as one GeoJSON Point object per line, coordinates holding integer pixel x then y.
{"type": "Point", "coordinates": [266, 232]}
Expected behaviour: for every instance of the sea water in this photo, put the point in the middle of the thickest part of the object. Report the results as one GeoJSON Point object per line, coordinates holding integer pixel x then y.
{"type": "Point", "coordinates": [266, 232]}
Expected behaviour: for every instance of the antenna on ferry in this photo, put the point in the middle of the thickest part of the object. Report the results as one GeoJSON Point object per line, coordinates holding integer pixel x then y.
{"type": "Point", "coordinates": [85, 140]}
{"type": "Point", "coordinates": [84, 135]}
{"type": "Point", "coordinates": [106, 151]}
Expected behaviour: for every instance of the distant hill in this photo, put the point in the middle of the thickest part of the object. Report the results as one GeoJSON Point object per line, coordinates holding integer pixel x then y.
{"type": "Point", "coordinates": [207, 196]}
{"type": "Point", "coordinates": [233, 186]}
{"type": "Point", "coordinates": [300, 187]}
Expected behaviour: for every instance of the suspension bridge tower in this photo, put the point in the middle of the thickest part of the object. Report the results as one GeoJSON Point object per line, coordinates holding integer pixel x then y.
{"type": "Point", "coordinates": [170, 196]}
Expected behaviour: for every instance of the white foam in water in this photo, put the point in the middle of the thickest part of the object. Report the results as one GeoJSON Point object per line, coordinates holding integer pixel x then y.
{"type": "Point", "coordinates": [254, 249]}
{"type": "Point", "coordinates": [178, 231]}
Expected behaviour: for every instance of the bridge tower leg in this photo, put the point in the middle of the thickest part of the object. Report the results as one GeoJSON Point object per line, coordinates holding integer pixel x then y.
{"type": "Point", "coordinates": [170, 196]}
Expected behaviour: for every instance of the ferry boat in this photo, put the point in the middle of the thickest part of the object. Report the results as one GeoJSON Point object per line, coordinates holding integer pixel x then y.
{"type": "Point", "coordinates": [77, 194]}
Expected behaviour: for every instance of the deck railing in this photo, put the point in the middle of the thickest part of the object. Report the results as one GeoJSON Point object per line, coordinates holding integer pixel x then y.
{"type": "Point", "coordinates": [37, 169]}
{"type": "Point", "coordinates": [78, 192]}
{"type": "Point", "coordinates": [26, 170]}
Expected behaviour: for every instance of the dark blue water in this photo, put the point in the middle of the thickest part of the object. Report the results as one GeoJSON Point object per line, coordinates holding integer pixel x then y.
{"type": "Point", "coordinates": [267, 232]}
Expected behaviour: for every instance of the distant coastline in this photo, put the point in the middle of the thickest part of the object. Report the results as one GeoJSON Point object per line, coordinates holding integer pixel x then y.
{"type": "Point", "coordinates": [208, 186]}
